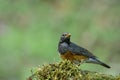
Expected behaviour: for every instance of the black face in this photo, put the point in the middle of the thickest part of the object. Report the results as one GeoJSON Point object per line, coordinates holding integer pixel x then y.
{"type": "Point", "coordinates": [65, 37]}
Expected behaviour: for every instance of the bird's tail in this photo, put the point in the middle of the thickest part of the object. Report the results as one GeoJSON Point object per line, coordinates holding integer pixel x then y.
{"type": "Point", "coordinates": [96, 61]}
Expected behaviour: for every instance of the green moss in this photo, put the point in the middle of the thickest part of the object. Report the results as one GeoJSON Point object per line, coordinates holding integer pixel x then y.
{"type": "Point", "coordinates": [65, 70]}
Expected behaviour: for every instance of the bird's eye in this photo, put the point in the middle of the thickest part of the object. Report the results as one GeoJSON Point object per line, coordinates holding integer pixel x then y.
{"type": "Point", "coordinates": [63, 35]}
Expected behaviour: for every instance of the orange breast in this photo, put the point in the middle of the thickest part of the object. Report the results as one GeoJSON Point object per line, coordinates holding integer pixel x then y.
{"type": "Point", "coordinates": [71, 56]}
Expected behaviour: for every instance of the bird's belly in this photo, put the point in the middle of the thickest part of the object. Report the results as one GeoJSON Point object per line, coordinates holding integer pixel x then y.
{"type": "Point", "coordinates": [73, 57]}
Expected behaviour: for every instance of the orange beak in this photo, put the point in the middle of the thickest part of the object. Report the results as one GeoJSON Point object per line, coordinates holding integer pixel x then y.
{"type": "Point", "coordinates": [68, 35]}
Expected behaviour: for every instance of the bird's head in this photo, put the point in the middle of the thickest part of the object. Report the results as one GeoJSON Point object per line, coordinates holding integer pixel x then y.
{"type": "Point", "coordinates": [65, 37]}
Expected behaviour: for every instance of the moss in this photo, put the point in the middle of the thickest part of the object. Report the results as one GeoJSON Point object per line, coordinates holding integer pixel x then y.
{"type": "Point", "coordinates": [65, 70]}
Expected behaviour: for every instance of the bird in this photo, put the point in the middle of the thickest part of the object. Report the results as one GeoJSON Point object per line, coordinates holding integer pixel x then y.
{"type": "Point", "coordinates": [75, 53]}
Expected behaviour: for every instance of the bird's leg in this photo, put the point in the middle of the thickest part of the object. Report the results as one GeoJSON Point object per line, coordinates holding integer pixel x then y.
{"type": "Point", "coordinates": [82, 61]}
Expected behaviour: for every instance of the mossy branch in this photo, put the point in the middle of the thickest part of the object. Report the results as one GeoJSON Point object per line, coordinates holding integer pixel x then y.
{"type": "Point", "coordinates": [65, 70]}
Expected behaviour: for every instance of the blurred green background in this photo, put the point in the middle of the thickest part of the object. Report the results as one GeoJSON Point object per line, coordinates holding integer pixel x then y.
{"type": "Point", "coordinates": [30, 31]}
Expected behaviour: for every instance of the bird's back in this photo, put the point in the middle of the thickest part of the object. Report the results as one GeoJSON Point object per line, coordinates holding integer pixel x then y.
{"type": "Point", "coordinates": [80, 50]}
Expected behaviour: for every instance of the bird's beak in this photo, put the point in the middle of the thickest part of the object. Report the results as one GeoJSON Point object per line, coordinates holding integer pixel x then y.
{"type": "Point", "coordinates": [68, 35]}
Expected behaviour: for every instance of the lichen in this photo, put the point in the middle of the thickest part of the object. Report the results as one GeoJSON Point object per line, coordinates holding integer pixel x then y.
{"type": "Point", "coordinates": [65, 70]}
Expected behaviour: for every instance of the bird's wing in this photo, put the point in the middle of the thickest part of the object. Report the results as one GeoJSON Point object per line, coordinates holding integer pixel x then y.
{"type": "Point", "coordinates": [80, 51]}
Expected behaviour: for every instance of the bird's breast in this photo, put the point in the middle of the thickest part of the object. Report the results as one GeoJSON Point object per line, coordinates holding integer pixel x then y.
{"type": "Point", "coordinates": [63, 48]}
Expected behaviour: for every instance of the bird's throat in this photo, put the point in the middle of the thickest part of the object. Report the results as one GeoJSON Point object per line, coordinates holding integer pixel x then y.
{"type": "Point", "coordinates": [67, 41]}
